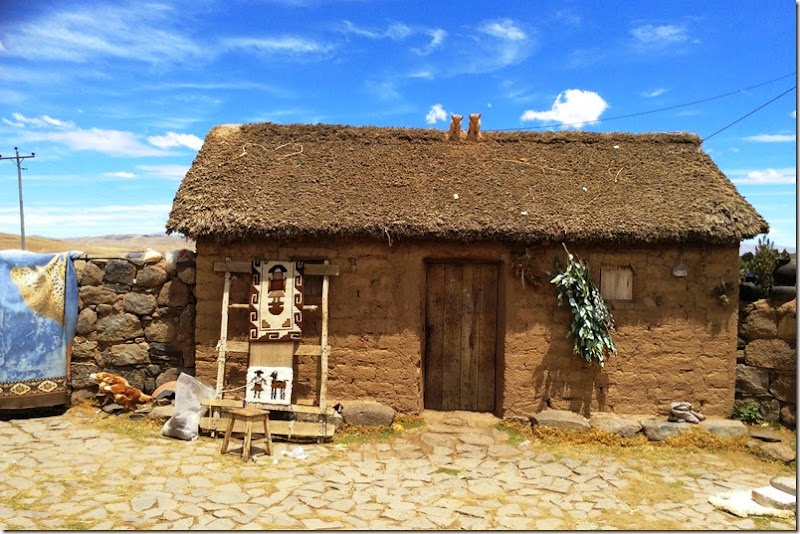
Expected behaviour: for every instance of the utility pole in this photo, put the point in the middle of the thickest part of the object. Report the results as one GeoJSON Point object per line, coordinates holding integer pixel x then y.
{"type": "Point", "coordinates": [19, 160]}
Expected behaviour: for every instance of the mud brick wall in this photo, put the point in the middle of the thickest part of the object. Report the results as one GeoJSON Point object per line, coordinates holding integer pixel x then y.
{"type": "Point", "coordinates": [136, 319]}
{"type": "Point", "coordinates": [766, 368]}
{"type": "Point", "coordinates": [676, 338]}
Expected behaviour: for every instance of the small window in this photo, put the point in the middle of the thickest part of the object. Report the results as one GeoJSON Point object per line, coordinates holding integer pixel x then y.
{"type": "Point", "coordinates": [616, 283]}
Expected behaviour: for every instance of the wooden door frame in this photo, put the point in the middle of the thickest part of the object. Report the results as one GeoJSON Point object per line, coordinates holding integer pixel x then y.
{"type": "Point", "coordinates": [499, 371]}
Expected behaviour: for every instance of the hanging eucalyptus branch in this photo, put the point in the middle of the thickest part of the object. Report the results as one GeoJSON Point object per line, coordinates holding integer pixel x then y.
{"type": "Point", "coordinates": [592, 323]}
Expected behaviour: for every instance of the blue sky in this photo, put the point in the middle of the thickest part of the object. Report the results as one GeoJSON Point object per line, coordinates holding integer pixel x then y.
{"type": "Point", "coordinates": [115, 97]}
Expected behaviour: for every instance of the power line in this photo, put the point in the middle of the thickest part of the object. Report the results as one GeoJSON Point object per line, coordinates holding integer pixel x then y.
{"type": "Point", "coordinates": [658, 110]}
{"type": "Point", "coordinates": [765, 104]}
{"type": "Point", "coordinates": [19, 159]}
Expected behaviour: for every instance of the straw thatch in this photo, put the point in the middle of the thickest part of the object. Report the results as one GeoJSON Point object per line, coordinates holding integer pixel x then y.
{"type": "Point", "coordinates": [276, 181]}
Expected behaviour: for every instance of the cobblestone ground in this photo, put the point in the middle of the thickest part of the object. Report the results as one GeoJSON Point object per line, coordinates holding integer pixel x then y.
{"type": "Point", "coordinates": [65, 472]}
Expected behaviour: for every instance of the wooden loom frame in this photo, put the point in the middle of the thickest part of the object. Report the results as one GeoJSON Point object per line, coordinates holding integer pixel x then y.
{"type": "Point", "coordinates": [216, 420]}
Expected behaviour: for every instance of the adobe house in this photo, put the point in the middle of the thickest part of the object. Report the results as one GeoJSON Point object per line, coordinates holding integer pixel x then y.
{"type": "Point", "coordinates": [443, 246]}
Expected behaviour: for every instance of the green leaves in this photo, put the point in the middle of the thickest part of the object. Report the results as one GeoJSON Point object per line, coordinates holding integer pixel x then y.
{"type": "Point", "coordinates": [592, 323]}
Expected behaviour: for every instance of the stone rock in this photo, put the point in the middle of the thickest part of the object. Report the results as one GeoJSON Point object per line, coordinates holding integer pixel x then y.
{"type": "Point", "coordinates": [724, 428]}
{"type": "Point", "coordinates": [135, 377]}
{"type": "Point", "coordinates": [119, 328]}
{"type": "Point", "coordinates": [87, 319]}
{"type": "Point", "coordinates": [769, 407]}
{"type": "Point", "coordinates": [774, 498]}
{"type": "Point", "coordinates": [92, 275]}
{"type": "Point", "coordinates": [139, 303]}
{"type": "Point", "coordinates": [785, 484]}
{"type": "Point", "coordinates": [96, 295]}
{"type": "Point", "coordinates": [83, 349]}
{"type": "Point", "coordinates": [760, 323]}
{"type": "Point", "coordinates": [788, 415]}
{"type": "Point", "coordinates": [765, 434]}
{"type": "Point", "coordinates": [788, 308]}
{"type": "Point", "coordinates": [367, 413]}
{"type": "Point", "coordinates": [81, 395]}
{"type": "Point", "coordinates": [160, 330]}
{"type": "Point", "coordinates": [168, 376]}
{"type": "Point", "coordinates": [560, 419]}
{"type": "Point", "coordinates": [787, 328]}
{"type": "Point", "coordinates": [656, 430]}
{"type": "Point", "coordinates": [151, 276]}
{"type": "Point", "coordinates": [783, 386]}
{"type": "Point", "coordinates": [740, 343]}
{"type": "Point", "coordinates": [773, 451]}
{"type": "Point", "coordinates": [772, 354]}
{"type": "Point", "coordinates": [165, 354]}
{"type": "Point", "coordinates": [615, 424]}
{"type": "Point", "coordinates": [188, 275]}
{"type": "Point", "coordinates": [740, 358]}
{"type": "Point", "coordinates": [751, 380]}
{"type": "Point", "coordinates": [119, 272]}
{"type": "Point", "coordinates": [161, 412]}
{"type": "Point", "coordinates": [80, 375]}
{"type": "Point", "coordinates": [152, 370]}
{"type": "Point", "coordinates": [104, 310]}
{"type": "Point", "coordinates": [128, 354]}
{"type": "Point", "coordinates": [174, 294]}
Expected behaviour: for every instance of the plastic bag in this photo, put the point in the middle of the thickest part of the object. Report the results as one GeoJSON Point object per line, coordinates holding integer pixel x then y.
{"type": "Point", "coordinates": [185, 421]}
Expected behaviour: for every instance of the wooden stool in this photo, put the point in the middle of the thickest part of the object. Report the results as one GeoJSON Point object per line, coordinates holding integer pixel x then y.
{"type": "Point", "coordinates": [247, 415]}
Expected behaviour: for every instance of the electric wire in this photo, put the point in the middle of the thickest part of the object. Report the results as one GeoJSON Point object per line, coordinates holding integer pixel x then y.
{"type": "Point", "coordinates": [637, 114]}
{"type": "Point", "coordinates": [765, 104]}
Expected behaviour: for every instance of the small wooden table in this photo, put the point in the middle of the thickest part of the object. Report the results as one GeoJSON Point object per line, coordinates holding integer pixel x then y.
{"type": "Point", "coordinates": [248, 415]}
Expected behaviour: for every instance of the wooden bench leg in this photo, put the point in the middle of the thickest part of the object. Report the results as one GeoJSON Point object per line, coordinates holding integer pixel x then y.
{"type": "Point", "coordinates": [228, 433]}
{"type": "Point", "coordinates": [248, 437]}
{"type": "Point", "coordinates": [267, 435]}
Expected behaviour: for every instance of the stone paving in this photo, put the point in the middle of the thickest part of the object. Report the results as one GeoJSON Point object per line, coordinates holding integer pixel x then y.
{"type": "Point", "coordinates": [64, 472]}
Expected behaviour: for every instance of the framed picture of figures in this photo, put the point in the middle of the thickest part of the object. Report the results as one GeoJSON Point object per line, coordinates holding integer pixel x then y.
{"type": "Point", "coordinates": [269, 385]}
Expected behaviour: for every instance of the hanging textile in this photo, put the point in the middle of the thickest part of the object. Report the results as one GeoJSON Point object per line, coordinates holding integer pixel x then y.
{"type": "Point", "coordinates": [38, 315]}
{"type": "Point", "coordinates": [276, 301]}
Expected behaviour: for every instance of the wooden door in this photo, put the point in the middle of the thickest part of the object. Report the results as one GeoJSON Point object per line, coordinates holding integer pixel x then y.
{"type": "Point", "coordinates": [461, 336]}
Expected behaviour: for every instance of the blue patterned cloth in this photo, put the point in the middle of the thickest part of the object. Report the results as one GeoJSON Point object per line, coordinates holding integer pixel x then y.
{"type": "Point", "coordinates": [38, 315]}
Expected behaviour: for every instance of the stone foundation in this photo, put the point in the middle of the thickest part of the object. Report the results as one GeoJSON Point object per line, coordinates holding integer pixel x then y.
{"type": "Point", "coordinates": [136, 319]}
{"type": "Point", "coordinates": [766, 363]}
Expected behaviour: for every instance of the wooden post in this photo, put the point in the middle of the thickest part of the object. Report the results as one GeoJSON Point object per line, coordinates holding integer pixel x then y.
{"type": "Point", "coordinates": [323, 362]}
{"type": "Point", "coordinates": [222, 345]}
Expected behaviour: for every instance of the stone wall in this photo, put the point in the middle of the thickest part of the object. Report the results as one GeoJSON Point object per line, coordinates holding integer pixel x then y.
{"type": "Point", "coordinates": [766, 363]}
{"type": "Point", "coordinates": [676, 337]}
{"type": "Point", "coordinates": [136, 319]}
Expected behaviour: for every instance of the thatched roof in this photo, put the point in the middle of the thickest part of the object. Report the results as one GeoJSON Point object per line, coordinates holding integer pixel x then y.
{"type": "Point", "coordinates": [283, 181]}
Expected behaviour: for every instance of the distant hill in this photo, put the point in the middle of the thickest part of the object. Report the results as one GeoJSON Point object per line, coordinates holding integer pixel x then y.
{"type": "Point", "coordinates": [107, 244]}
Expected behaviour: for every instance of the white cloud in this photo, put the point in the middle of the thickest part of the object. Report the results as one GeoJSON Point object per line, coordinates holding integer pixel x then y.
{"type": "Point", "coordinates": [136, 31]}
{"type": "Point", "coordinates": [787, 175]}
{"type": "Point", "coordinates": [173, 139]}
{"type": "Point", "coordinates": [112, 142]}
{"type": "Point", "coordinates": [42, 121]}
{"type": "Point", "coordinates": [385, 90]}
{"type": "Point", "coordinates": [794, 114]}
{"type": "Point", "coordinates": [295, 45]}
{"type": "Point", "coordinates": [437, 36]}
{"type": "Point", "coordinates": [120, 174]}
{"type": "Point", "coordinates": [396, 31]}
{"type": "Point", "coordinates": [503, 29]}
{"type": "Point", "coordinates": [172, 172]}
{"type": "Point", "coordinates": [572, 107]}
{"type": "Point", "coordinates": [654, 93]}
{"type": "Point", "coordinates": [423, 74]}
{"type": "Point", "coordinates": [772, 138]}
{"type": "Point", "coordinates": [650, 35]}
{"type": "Point", "coordinates": [436, 113]}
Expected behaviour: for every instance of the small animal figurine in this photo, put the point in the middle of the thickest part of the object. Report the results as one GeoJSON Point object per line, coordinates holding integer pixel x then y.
{"type": "Point", "coordinates": [474, 132]}
{"type": "Point", "coordinates": [455, 127]}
